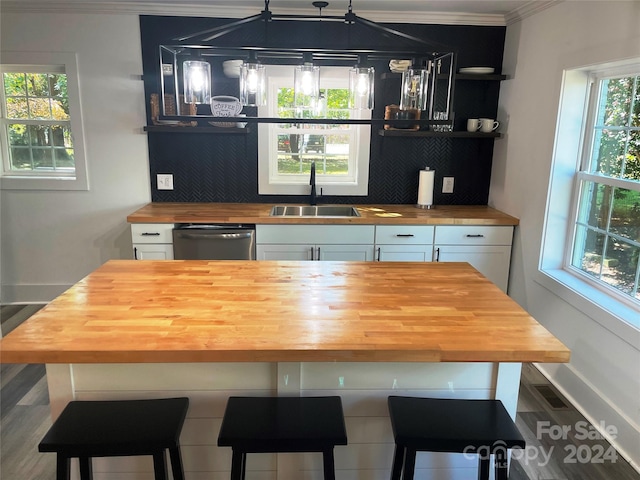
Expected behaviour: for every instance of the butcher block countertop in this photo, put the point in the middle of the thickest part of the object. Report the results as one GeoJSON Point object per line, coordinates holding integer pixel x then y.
{"type": "Point", "coordinates": [132, 311]}
{"type": "Point", "coordinates": [369, 215]}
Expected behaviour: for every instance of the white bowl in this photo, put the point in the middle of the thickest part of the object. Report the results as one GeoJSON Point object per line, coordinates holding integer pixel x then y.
{"type": "Point", "coordinates": [231, 68]}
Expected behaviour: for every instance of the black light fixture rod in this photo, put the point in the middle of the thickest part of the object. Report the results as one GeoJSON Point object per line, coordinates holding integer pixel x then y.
{"type": "Point", "coordinates": [397, 33]}
{"type": "Point", "coordinates": [310, 18]}
{"type": "Point", "coordinates": [242, 21]}
{"type": "Point", "coordinates": [222, 33]}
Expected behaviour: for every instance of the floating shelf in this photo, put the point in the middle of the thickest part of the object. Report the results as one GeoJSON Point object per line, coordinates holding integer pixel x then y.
{"type": "Point", "coordinates": [180, 129]}
{"type": "Point", "coordinates": [458, 76]}
{"type": "Point", "coordinates": [429, 133]}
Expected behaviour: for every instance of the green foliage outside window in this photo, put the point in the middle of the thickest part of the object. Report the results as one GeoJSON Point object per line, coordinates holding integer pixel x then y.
{"type": "Point", "coordinates": [37, 112]}
{"type": "Point", "coordinates": [296, 151]}
{"type": "Point", "coordinates": [607, 244]}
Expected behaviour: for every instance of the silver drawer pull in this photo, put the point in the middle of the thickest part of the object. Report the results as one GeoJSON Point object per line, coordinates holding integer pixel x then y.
{"type": "Point", "coordinates": [150, 234]}
{"type": "Point", "coordinates": [404, 235]}
{"type": "Point", "coordinates": [475, 236]}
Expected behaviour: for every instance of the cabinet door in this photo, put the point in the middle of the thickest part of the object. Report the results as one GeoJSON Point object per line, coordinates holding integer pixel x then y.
{"type": "Point", "coordinates": [403, 253]}
{"type": "Point", "coordinates": [360, 253]}
{"type": "Point", "coordinates": [285, 252]}
{"type": "Point", "coordinates": [152, 251]}
{"type": "Point", "coordinates": [492, 262]}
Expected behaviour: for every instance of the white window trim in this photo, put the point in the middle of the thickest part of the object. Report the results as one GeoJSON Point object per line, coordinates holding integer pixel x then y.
{"type": "Point", "coordinates": [17, 181]}
{"type": "Point", "coordinates": [283, 75]}
{"type": "Point", "coordinates": [617, 316]}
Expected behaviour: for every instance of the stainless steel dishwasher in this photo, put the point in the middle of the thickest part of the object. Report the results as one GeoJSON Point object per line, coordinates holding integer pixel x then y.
{"type": "Point", "coordinates": [214, 242]}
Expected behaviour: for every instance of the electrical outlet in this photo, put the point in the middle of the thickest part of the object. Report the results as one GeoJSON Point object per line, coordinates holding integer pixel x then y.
{"type": "Point", "coordinates": [165, 181]}
{"type": "Point", "coordinates": [447, 184]}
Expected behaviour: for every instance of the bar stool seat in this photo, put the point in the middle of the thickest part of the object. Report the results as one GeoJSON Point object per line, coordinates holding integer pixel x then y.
{"type": "Point", "coordinates": [114, 428]}
{"type": "Point", "coordinates": [450, 425]}
{"type": "Point", "coordinates": [280, 425]}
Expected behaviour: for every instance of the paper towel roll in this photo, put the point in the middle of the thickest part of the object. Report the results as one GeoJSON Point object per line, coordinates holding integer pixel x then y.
{"type": "Point", "coordinates": [425, 187]}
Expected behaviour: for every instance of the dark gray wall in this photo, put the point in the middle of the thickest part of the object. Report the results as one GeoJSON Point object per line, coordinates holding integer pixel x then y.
{"type": "Point", "coordinates": [223, 168]}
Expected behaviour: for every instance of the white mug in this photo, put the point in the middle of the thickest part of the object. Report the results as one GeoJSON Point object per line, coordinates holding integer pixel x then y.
{"type": "Point", "coordinates": [488, 125]}
{"type": "Point", "coordinates": [473, 125]}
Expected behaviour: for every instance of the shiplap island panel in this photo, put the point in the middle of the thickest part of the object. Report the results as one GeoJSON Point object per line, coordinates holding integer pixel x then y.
{"type": "Point", "coordinates": [208, 330]}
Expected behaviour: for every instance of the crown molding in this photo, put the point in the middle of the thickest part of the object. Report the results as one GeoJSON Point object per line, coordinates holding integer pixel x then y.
{"type": "Point", "coordinates": [528, 9]}
{"type": "Point", "coordinates": [200, 8]}
{"type": "Point", "coordinates": [195, 9]}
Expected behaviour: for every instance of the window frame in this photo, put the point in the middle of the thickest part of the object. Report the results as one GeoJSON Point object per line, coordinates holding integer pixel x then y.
{"type": "Point", "coordinates": [269, 184]}
{"type": "Point", "coordinates": [612, 311]}
{"type": "Point", "coordinates": [584, 174]}
{"type": "Point", "coordinates": [46, 62]}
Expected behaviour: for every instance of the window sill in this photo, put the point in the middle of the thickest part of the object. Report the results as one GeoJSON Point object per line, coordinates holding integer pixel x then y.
{"type": "Point", "coordinates": [9, 182]}
{"type": "Point", "coordinates": [619, 318]}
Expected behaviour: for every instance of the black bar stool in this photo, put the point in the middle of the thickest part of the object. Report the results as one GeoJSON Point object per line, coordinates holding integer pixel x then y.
{"type": "Point", "coordinates": [118, 428]}
{"type": "Point", "coordinates": [449, 425]}
{"type": "Point", "coordinates": [282, 424]}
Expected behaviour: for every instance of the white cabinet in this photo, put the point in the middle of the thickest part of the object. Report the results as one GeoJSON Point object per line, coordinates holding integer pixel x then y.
{"type": "Point", "coordinates": [152, 241]}
{"type": "Point", "coordinates": [404, 243]}
{"type": "Point", "coordinates": [315, 242]}
{"type": "Point", "coordinates": [486, 248]}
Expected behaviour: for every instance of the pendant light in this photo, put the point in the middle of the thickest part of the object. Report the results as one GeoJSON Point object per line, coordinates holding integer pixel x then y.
{"type": "Point", "coordinates": [197, 81]}
{"type": "Point", "coordinates": [306, 83]}
{"type": "Point", "coordinates": [361, 83]}
{"type": "Point", "coordinates": [415, 87]}
{"type": "Point", "coordinates": [253, 83]}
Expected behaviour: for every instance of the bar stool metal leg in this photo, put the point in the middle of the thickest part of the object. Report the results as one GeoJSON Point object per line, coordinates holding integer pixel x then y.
{"type": "Point", "coordinates": [409, 463]}
{"type": "Point", "coordinates": [501, 466]}
{"type": "Point", "coordinates": [160, 465]}
{"type": "Point", "coordinates": [176, 464]}
{"type": "Point", "coordinates": [86, 468]}
{"type": "Point", "coordinates": [63, 467]}
{"type": "Point", "coordinates": [483, 467]}
{"type": "Point", "coordinates": [238, 462]}
{"type": "Point", "coordinates": [328, 463]}
{"type": "Point", "coordinates": [398, 459]}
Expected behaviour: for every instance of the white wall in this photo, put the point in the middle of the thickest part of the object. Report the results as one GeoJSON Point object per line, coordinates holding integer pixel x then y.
{"type": "Point", "coordinates": [51, 239]}
{"type": "Point", "coordinates": [603, 376]}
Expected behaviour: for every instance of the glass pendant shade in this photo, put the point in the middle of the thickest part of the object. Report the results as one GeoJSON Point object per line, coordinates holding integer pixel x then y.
{"type": "Point", "coordinates": [197, 81]}
{"type": "Point", "coordinates": [415, 89]}
{"type": "Point", "coordinates": [253, 85]}
{"type": "Point", "coordinates": [306, 89]}
{"type": "Point", "coordinates": [361, 82]}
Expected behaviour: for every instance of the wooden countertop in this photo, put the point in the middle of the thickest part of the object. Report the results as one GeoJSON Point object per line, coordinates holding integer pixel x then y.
{"type": "Point", "coordinates": [245, 311]}
{"type": "Point", "coordinates": [369, 214]}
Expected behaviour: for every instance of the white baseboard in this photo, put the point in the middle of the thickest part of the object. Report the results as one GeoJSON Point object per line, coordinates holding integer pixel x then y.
{"type": "Point", "coordinates": [12, 294]}
{"type": "Point", "coordinates": [595, 407]}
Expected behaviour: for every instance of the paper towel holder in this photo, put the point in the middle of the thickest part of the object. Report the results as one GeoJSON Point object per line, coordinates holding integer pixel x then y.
{"type": "Point", "coordinates": [427, 204]}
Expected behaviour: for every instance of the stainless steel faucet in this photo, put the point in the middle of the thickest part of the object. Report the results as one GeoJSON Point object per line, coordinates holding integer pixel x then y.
{"type": "Point", "coordinates": [312, 182]}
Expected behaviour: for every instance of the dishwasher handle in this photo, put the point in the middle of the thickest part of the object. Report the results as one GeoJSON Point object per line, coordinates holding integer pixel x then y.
{"type": "Point", "coordinates": [195, 235]}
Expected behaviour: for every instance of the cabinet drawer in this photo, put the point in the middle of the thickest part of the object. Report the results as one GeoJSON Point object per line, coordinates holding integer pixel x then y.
{"type": "Point", "coordinates": [315, 234]}
{"type": "Point", "coordinates": [404, 235]}
{"type": "Point", "coordinates": [473, 235]}
{"type": "Point", "coordinates": [152, 232]}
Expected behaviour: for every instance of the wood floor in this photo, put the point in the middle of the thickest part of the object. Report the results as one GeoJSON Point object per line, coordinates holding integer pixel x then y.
{"type": "Point", "coordinates": [24, 419]}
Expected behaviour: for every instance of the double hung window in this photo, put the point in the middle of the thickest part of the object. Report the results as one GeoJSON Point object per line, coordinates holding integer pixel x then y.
{"type": "Point", "coordinates": [606, 229]}
{"type": "Point", "coordinates": [40, 125]}
{"type": "Point", "coordinates": [287, 150]}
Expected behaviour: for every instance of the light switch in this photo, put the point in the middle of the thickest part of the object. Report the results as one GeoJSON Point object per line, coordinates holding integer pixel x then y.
{"type": "Point", "coordinates": [165, 181]}
{"type": "Point", "coordinates": [447, 184]}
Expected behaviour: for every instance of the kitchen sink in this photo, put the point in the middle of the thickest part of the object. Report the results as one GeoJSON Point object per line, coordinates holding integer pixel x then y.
{"type": "Point", "coordinates": [314, 211]}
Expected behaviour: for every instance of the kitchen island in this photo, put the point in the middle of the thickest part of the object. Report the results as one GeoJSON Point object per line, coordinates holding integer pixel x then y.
{"type": "Point", "coordinates": [361, 330]}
